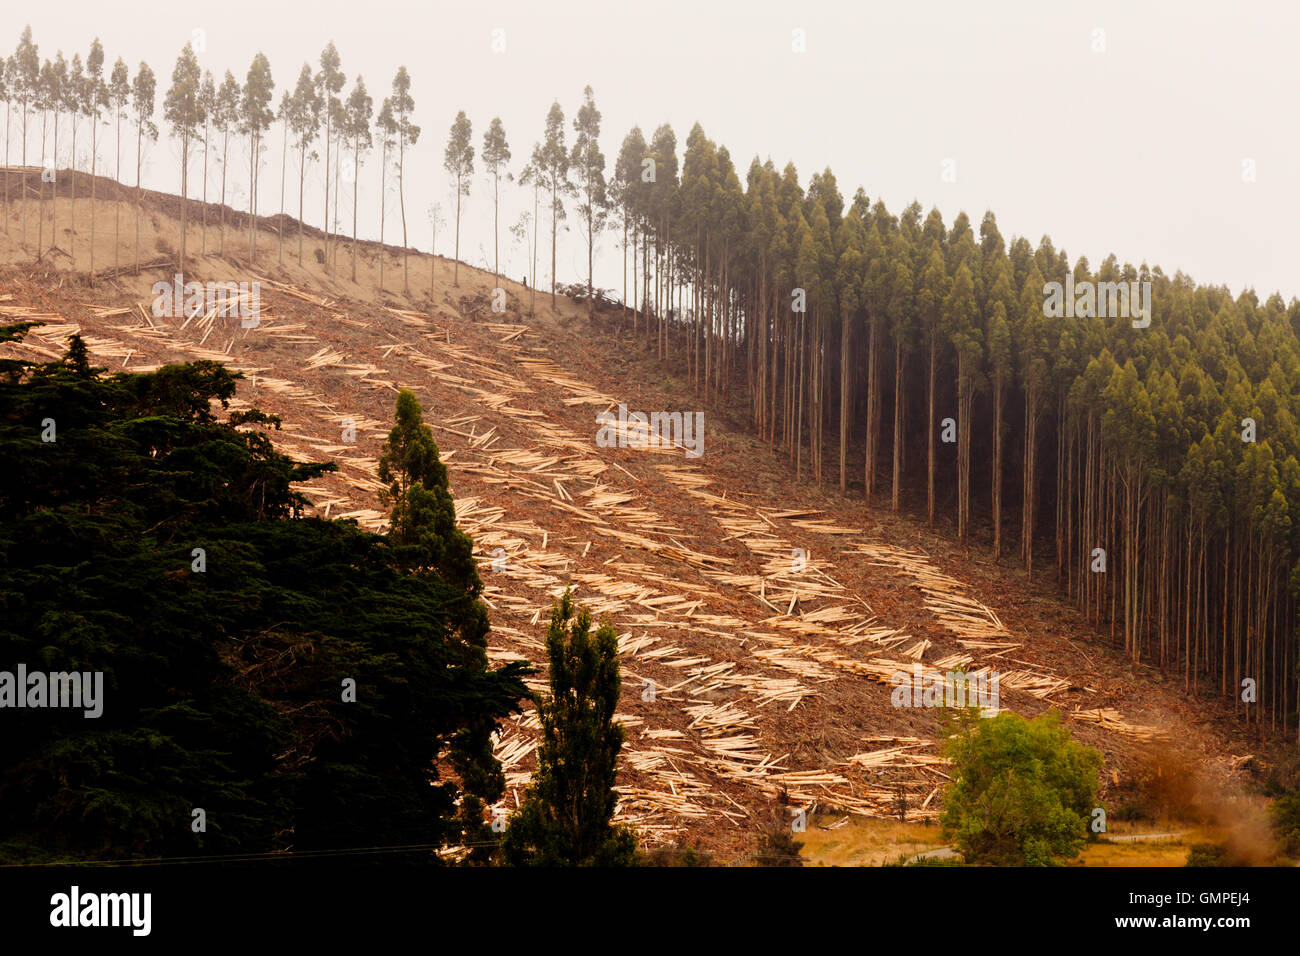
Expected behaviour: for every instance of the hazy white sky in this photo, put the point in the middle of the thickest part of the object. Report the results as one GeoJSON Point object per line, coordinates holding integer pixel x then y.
{"type": "Point", "coordinates": [1137, 150]}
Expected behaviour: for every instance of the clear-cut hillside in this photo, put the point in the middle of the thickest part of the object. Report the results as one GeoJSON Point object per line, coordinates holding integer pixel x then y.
{"type": "Point", "coordinates": [760, 620]}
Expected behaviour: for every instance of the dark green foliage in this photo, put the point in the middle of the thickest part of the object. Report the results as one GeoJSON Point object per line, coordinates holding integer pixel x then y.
{"type": "Point", "coordinates": [223, 688]}
{"type": "Point", "coordinates": [1022, 790]}
{"type": "Point", "coordinates": [1285, 811]}
{"type": "Point", "coordinates": [1207, 854]}
{"type": "Point", "coordinates": [424, 515]}
{"type": "Point", "coordinates": [565, 818]}
{"type": "Point", "coordinates": [907, 860]}
{"type": "Point", "coordinates": [778, 847]}
{"type": "Point", "coordinates": [677, 854]}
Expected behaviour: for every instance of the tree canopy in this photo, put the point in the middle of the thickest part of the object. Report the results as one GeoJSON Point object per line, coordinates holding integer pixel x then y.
{"type": "Point", "coordinates": [294, 678]}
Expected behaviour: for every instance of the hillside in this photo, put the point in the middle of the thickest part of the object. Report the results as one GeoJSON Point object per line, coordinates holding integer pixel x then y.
{"type": "Point", "coordinates": [769, 615]}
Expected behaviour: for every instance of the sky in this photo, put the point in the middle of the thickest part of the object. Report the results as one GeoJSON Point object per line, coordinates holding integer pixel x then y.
{"type": "Point", "coordinates": [1164, 132]}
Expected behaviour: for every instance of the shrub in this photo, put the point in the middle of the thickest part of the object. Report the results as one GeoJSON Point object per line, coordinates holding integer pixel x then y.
{"type": "Point", "coordinates": [1022, 791]}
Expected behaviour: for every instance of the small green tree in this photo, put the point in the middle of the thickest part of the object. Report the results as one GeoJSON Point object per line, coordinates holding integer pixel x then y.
{"type": "Point", "coordinates": [424, 513]}
{"type": "Point", "coordinates": [565, 817]}
{"type": "Point", "coordinates": [1022, 790]}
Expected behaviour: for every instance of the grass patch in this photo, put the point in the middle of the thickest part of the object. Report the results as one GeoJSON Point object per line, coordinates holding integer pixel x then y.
{"type": "Point", "coordinates": [864, 841]}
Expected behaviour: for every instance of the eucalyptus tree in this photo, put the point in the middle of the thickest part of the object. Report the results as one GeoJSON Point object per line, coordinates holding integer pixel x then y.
{"type": "Point", "coordinates": [54, 83]}
{"type": "Point", "coordinates": [143, 90]}
{"type": "Point", "coordinates": [550, 161]}
{"type": "Point", "coordinates": [25, 74]}
{"type": "Point", "coordinates": [284, 112]}
{"type": "Point", "coordinates": [531, 175]}
{"type": "Point", "coordinates": [458, 160]}
{"type": "Point", "coordinates": [74, 103]}
{"type": "Point", "coordinates": [329, 82]}
{"type": "Point", "coordinates": [663, 202]}
{"type": "Point", "coordinates": [849, 279]}
{"type": "Point", "coordinates": [95, 100]}
{"type": "Point", "coordinates": [902, 314]}
{"type": "Point", "coordinates": [496, 158]}
{"type": "Point", "coordinates": [208, 104]}
{"type": "Point", "coordinates": [119, 99]}
{"type": "Point", "coordinates": [360, 108]}
{"type": "Point", "coordinates": [966, 337]}
{"type": "Point", "coordinates": [7, 93]}
{"type": "Point", "coordinates": [588, 164]}
{"type": "Point", "coordinates": [183, 110]}
{"type": "Point", "coordinates": [625, 193]}
{"type": "Point", "coordinates": [226, 118]}
{"type": "Point", "coordinates": [386, 124]}
{"type": "Point", "coordinates": [1034, 378]}
{"type": "Point", "coordinates": [931, 292]}
{"type": "Point", "coordinates": [401, 108]}
{"type": "Point", "coordinates": [255, 118]}
{"type": "Point", "coordinates": [305, 108]}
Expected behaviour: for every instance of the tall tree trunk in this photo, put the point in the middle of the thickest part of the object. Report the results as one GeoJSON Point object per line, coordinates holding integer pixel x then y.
{"type": "Point", "coordinates": [897, 490]}
{"type": "Point", "coordinates": [54, 186]}
{"type": "Point", "coordinates": [532, 282]}
{"type": "Point", "coordinates": [798, 414]}
{"type": "Point", "coordinates": [117, 206]}
{"type": "Point", "coordinates": [455, 273]}
{"type": "Point", "coordinates": [929, 484]}
{"type": "Point", "coordinates": [284, 165]}
{"type": "Point", "coordinates": [302, 175]}
{"type": "Point", "coordinates": [591, 245]}
{"type": "Point", "coordinates": [554, 235]}
{"type": "Point", "coordinates": [401, 201]}
{"type": "Point", "coordinates": [252, 195]}
{"type": "Point", "coordinates": [334, 244]}
{"type": "Point", "coordinates": [94, 165]}
{"type": "Point", "coordinates": [356, 178]}
{"type": "Point", "coordinates": [203, 209]}
{"type": "Point", "coordinates": [873, 413]}
{"type": "Point", "coordinates": [844, 404]}
{"type": "Point", "coordinates": [72, 167]}
{"type": "Point", "coordinates": [997, 464]}
{"type": "Point", "coordinates": [139, 151]}
{"type": "Point", "coordinates": [383, 175]}
{"type": "Point", "coordinates": [8, 112]}
{"type": "Point", "coordinates": [24, 116]}
{"type": "Point", "coordinates": [221, 222]}
{"type": "Point", "coordinates": [325, 222]}
{"type": "Point", "coordinates": [185, 185]}
{"type": "Point", "coordinates": [1027, 517]}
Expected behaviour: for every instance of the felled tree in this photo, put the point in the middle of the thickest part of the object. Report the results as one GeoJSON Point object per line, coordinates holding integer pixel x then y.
{"type": "Point", "coordinates": [565, 817]}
